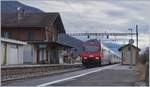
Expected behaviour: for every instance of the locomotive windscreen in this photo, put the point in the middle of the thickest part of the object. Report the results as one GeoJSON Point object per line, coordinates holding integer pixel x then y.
{"type": "Point", "coordinates": [91, 48]}
{"type": "Point", "coordinates": [92, 45]}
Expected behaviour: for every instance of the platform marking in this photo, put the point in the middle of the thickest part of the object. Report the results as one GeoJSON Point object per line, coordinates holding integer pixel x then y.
{"type": "Point", "coordinates": [72, 77]}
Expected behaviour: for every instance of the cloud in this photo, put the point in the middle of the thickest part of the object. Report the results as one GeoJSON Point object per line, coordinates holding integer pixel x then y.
{"type": "Point", "coordinates": [100, 15]}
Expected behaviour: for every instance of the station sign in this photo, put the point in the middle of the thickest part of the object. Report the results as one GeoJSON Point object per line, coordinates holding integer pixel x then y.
{"type": "Point", "coordinates": [131, 41]}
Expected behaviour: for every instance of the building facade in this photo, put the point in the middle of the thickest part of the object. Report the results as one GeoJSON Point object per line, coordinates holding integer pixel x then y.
{"type": "Point", "coordinates": [12, 51]}
{"type": "Point", "coordinates": [129, 54]}
{"type": "Point", "coordinates": [40, 30]}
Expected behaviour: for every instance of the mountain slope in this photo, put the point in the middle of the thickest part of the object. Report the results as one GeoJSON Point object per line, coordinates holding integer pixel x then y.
{"type": "Point", "coordinates": [11, 6]}
{"type": "Point", "coordinates": [71, 41]}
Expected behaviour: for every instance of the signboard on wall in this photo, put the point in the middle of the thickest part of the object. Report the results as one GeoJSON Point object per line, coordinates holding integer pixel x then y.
{"type": "Point", "coordinates": [42, 45]}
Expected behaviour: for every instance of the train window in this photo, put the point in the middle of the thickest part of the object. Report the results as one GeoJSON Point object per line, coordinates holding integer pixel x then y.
{"type": "Point", "coordinates": [91, 48]}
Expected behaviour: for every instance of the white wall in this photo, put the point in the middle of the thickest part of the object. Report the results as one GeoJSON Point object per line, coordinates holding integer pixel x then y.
{"type": "Point", "coordinates": [14, 53]}
{"type": "Point", "coordinates": [2, 52]}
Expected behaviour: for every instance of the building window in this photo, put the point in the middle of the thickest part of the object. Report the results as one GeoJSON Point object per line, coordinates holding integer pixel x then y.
{"type": "Point", "coordinates": [30, 35]}
{"type": "Point", "coordinates": [6, 34]}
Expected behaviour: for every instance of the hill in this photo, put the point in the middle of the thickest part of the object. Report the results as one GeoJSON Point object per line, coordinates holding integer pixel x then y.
{"type": "Point", "coordinates": [11, 6]}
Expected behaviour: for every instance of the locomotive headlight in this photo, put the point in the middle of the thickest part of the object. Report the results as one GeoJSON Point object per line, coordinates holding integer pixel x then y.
{"type": "Point", "coordinates": [96, 57]}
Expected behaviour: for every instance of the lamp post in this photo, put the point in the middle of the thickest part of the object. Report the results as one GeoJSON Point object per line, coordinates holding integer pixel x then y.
{"type": "Point", "coordinates": [131, 32]}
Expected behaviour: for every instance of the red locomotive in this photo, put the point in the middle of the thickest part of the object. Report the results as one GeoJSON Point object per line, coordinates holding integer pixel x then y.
{"type": "Point", "coordinates": [96, 54]}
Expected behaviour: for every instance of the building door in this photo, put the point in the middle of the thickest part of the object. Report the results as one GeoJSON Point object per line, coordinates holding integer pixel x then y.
{"type": "Point", "coordinates": [49, 55]}
{"type": "Point", "coordinates": [126, 59]}
{"type": "Point", "coordinates": [37, 56]}
{"type": "Point", "coordinates": [52, 59]}
{"type": "Point", "coordinates": [56, 61]}
{"type": "Point", "coordinates": [42, 55]}
{"type": "Point", "coordinates": [12, 55]}
{"type": "Point", "coordinates": [28, 54]}
{"type": "Point", "coordinates": [54, 56]}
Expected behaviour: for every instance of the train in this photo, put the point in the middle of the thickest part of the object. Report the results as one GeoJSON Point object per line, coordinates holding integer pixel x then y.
{"type": "Point", "coordinates": [96, 53]}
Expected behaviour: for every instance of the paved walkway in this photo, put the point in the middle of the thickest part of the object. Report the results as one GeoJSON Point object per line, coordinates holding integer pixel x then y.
{"type": "Point", "coordinates": [114, 76]}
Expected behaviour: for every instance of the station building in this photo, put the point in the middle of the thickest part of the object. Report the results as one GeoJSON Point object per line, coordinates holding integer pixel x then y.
{"type": "Point", "coordinates": [129, 54]}
{"type": "Point", "coordinates": [40, 31]}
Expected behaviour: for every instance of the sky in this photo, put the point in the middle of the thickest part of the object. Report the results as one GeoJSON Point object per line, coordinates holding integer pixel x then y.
{"type": "Point", "coordinates": [100, 16]}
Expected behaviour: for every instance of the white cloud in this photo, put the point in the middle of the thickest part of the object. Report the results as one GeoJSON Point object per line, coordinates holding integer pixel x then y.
{"type": "Point", "coordinates": [99, 16]}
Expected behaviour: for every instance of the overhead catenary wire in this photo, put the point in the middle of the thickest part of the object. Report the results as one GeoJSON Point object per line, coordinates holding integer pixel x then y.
{"type": "Point", "coordinates": [85, 22]}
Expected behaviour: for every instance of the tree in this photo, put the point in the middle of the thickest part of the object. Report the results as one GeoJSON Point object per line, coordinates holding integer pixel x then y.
{"type": "Point", "coordinates": [144, 57]}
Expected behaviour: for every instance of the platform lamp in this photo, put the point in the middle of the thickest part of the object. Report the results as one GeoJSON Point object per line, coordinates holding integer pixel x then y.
{"type": "Point", "coordinates": [131, 32]}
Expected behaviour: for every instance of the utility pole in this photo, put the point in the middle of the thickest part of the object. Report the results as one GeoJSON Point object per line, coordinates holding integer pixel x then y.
{"type": "Point", "coordinates": [137, 41]}
{"type": "Point", "coordinates": [137, 35]}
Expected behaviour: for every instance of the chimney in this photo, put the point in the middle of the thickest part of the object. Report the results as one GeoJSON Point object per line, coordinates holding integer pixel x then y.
{"type": "Point", "coordinates": [20, 13]}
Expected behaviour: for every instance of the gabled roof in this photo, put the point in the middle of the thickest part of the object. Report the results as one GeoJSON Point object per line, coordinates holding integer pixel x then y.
{"type": "Point", "coordinates": [30, 20]}
{"type": "Point", "coordinates": [121, 48]}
